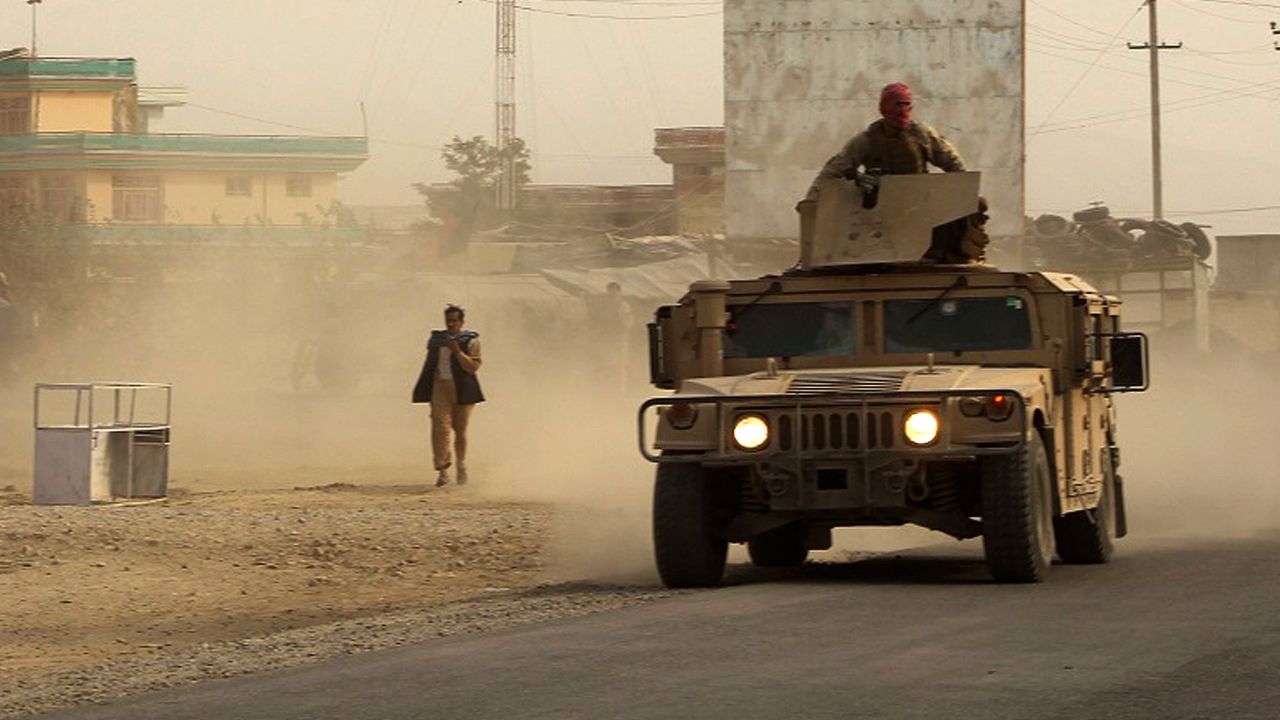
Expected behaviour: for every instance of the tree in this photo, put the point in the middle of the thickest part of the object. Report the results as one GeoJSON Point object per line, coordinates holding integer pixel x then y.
{"type": "Point", "coordinates": [477, 164]}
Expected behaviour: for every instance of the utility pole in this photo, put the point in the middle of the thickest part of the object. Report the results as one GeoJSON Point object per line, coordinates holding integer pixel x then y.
{"type": "Point", "coordinates": [506, 101]}
{"type": "Point", "coordinates": [33, 4]}
{"type": "Point", "coordinates": [1154, 46]}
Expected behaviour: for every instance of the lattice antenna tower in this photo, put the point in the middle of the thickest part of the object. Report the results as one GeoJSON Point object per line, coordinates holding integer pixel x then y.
{"type": "Point", "coordinates": [505, 103]}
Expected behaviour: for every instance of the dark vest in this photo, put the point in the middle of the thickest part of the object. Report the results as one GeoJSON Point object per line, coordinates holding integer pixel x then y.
{"type": "Point", "coordinates": [897, 152]}
{"type": "Point", "coordinates": [466, 383]}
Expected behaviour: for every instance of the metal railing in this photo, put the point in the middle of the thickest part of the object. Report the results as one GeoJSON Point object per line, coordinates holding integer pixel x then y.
{"type": "Point", "coordinates": [124, 405]}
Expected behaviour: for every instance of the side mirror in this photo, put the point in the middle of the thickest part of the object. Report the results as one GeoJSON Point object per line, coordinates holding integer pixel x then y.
{"type": "Point", "coordinates": [1129, 366]}
{"type": "Point", "coordinates": [658, 375]}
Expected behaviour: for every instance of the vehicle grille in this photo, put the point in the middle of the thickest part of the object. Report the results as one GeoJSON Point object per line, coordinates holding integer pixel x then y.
{"type": "Point", "coordinates": [837, 430]}
{"type": "Point", "coordinates": [824, 383]}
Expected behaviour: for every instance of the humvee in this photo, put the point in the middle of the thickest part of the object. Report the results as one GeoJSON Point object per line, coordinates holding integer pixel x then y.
{"type": "Point", "coordinates": [866, 388]}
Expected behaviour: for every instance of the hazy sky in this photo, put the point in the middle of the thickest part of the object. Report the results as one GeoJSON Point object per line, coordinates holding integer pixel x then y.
{"type": "Point", "coordinates": [591, 89]}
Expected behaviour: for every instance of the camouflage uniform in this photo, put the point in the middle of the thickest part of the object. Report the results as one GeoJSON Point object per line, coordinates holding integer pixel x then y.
{"type": "Point", "coordinates": [892, 152]}
{"type": "Point", "coordinates": [889, 151]}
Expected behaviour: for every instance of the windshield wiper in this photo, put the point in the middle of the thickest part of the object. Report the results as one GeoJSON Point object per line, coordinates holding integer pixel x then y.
{"type": "Point", "coordinates": [959, 282]}
{"type": "Point", "coordinates": [774, 287]}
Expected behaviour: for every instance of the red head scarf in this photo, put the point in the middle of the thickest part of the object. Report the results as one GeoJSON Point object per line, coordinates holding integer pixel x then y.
{"type": "Point", "coordinates": [894, 112]}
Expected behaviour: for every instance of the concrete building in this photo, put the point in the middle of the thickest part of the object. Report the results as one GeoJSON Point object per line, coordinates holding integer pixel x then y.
{"type": "Point", "coordinates": [1246, 290]}
{"type": "Point", "coordinates": [696, 156]}
{"type": "Point", "coordinates": [626, 209]}
{"type": "Point", "coordinates": [74, 148]}
{"type": "Point", "coordinates": [803, 76]}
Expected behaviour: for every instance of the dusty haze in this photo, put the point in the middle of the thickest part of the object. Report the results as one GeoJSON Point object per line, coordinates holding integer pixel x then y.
{"type": "Point", "coordinates": [1199, 456]}
{"type": "Point", "coordinates": [558, 426]}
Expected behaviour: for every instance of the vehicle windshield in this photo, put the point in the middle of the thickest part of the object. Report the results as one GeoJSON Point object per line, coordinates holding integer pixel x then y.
{"type": "Point", "coordinates": [790, 330]}
{"type": "Point", "coordinates": [957, 325]}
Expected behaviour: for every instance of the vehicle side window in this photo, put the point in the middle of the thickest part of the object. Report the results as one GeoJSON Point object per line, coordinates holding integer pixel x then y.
{"type": "Point", "coordinates": [790, 330]}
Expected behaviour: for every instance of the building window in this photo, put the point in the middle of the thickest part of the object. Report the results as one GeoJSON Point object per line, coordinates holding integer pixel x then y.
{"type": "Point", "coordinates": [137, 198]}
{"type": "Point", "coordinates": [15, 198]}
{"type": "Point", "coordinates": [15, 115]}
{"type": "Point", "coordinates": [297, 185]}
{"type": "Point", "coordinates": [58, 198]}
{"type": "Point", "coordinates": [239, 185]}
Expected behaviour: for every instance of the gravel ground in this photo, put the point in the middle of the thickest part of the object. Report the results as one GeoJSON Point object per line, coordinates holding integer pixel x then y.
{"type": "Point", "coordinates": [106, 601]}
{"type": "Point", "coordinates": [158, 670]}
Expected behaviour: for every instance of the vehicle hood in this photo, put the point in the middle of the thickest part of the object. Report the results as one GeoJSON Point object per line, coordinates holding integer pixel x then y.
{"type": "Point", "coordinates": [873, 380]}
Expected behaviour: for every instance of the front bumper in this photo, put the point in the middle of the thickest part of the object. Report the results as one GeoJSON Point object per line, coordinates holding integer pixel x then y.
{"type": "Point", "coordinates": [865, 428]}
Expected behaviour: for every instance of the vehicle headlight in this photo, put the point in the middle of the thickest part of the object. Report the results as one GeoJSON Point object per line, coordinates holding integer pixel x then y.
{"type": "Point", "coordinates": [921, 427]}
{"type": "Point", "coordinates": [751, 432]}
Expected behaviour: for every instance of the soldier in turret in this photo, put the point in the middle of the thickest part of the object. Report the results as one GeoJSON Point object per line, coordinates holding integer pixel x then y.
{"type": "Point", "coordinates": [893, 145]}
{"type": "Point", "coordinates": [897, 145]}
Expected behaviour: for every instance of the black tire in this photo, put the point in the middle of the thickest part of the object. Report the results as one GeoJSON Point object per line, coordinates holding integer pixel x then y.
{"type": "Point", "coordinates": [1017, 514]}
{"type": "Point", "coordinates": [1087, 537]}
{"type": "Point", "coordinates": [1130, 224]}
{"type": "Point", "coordinates": [1199, 238]}
{"type": "Point", "coordinates": [1096, 213]}
{"type": "Point", "coordinates": [687, 541]}
{"type": "Point", "coordinates": [1051, 227]}
{"type": "Point", "coordinates": [785, 546]}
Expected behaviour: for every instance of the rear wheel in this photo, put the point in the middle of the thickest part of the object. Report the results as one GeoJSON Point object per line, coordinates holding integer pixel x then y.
{"type": "Point", "coordinates": [1017, 514]}
{"type": "Point", "coordinates": [786, 546]}
{"type": "Point", "coordinates": [1086, 537]}
{"type": "Point", "coordinates": [688, 544]}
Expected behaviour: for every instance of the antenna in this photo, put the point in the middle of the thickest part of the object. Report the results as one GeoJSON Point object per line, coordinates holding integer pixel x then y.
{"type": "Point", "coordinates": [505, 101]}
{"type": "Point", "coordinates": [33, 4]}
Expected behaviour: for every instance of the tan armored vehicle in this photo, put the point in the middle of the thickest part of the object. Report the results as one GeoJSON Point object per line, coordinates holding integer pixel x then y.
{"type": "Point", "coordinates": [863, 389]}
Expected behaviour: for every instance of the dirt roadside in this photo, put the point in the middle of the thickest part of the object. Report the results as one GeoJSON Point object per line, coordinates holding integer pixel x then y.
{"type": "Point", "coordinates": [89, 587]}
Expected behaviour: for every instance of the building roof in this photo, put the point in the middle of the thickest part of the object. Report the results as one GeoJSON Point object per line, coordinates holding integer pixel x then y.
{"type": "Point", "coordinates": [74, 150]}
{"type": "Point", "coordinates": [689, 145]}
{"type": "Point", "coordinates": [21, 71]}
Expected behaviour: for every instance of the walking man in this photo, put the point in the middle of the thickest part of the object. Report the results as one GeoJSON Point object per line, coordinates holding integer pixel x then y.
{"type": "Point", "coordinates": [448, 381]}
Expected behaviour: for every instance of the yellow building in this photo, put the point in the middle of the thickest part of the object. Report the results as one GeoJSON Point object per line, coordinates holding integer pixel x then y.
{"type": "Point", "coordinates": [74, 147]}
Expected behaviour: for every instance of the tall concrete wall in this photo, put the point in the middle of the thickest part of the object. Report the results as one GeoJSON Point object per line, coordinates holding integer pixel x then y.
{"type": "Point", "coordinates": [803, 76]}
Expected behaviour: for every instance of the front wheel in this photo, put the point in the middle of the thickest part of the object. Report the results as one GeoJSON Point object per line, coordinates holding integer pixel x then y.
{"type": "Point", "coordinates": [1087, 537]}
{"type": "Point", "coordinates": [1017, 514]}
{"type": "Point", "coordinates": [688, 544]}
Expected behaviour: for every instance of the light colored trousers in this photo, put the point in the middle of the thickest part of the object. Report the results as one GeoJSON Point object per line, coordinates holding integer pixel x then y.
{"type": "Point", "coordinates": [448, 418]}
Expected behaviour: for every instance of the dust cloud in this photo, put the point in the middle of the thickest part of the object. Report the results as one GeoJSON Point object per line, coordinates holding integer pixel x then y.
{"type": "Point", "coordinates": [297, 377]}
{"type": "Point", "coordinates": [1199, 451]}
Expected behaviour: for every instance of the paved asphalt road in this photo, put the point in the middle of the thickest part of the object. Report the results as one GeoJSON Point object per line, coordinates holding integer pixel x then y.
{"type": "Point", "coordinates": [1169, 630]}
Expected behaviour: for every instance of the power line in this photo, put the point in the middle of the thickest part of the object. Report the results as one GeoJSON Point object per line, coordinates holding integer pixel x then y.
{"type": "Point", "coordinates": [667, 3]}
{"type": "Point", "coordinates": [1178, 213]}
{"type": "Point", "coordinates": [596, 16]}
{"type": "Point", "coordinates": [1051, 11]}
{"type": "Point", "coordinates": [1075, 42]}
{"type": "Point", "coordinates": [1087, 70]}
{"type": "Point", "coordinates": [1202, 11]}
{"type": "Point", "coordinates": [1187, 103]}
{"type": "Point", "coordinates": [1243, 3]}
